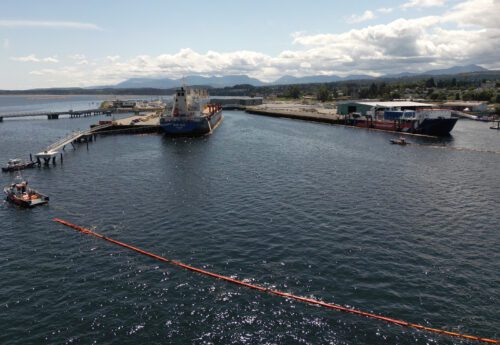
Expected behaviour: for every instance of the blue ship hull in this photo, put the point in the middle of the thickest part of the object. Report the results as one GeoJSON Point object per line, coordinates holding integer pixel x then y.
{"type": "Point", "coordinates": [194, 126]}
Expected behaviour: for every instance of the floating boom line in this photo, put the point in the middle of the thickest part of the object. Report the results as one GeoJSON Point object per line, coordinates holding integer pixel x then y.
{"type": "Point", "coordinates": [277, 292]}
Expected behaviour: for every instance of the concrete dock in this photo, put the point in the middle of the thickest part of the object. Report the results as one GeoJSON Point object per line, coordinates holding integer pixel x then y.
{"type": "Point", "coordinates": [136, 124]}
{"type": "Point", "coordinates": [297, 111]}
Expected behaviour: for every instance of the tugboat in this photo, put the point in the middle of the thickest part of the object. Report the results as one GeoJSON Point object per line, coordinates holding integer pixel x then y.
{"type": "Point", "coordinates": [20, 194]}
{"type": "Point", "coordinates": [192, 114]}
{"type": "Point", "coordinates": [17, 164]}
{"type": "Point", "coordinates": [400, 141]}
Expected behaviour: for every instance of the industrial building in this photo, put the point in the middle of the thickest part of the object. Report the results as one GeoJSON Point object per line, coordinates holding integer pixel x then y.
{"type": "Point", "coordinates": [237, 102]}
{"type": "Point", "coordinates": [348, 107]}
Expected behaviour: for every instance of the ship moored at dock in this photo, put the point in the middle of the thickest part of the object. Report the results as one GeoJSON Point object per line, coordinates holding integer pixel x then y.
{"type": "Point", "coordinates": [17, 164]}
{"type": "Point", "coordinates": [191, 114]}
{"type": "Point", "coordinates": [404, 116]}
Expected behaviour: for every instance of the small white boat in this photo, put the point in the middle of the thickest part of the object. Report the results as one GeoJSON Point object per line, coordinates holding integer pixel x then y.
{"type": "Point", "coordinates": [400, 141]}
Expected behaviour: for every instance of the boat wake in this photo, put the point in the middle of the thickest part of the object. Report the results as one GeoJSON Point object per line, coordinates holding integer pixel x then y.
{"type": "Point", "coordinates": [465, 149]}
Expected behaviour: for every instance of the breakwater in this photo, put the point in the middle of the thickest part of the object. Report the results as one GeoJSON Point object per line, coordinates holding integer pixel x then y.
{"type": "Point", "coordinates": [296, 114]}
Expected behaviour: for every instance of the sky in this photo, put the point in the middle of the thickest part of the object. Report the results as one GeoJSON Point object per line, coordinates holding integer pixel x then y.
{"type": "Point", "coordinates": [83, 43]}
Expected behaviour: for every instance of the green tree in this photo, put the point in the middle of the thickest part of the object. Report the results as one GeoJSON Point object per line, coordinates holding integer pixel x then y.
{"type": "Point", "coordinates": [395, 95]}
{"type": "Point", "coordinates": [293, 91]}
{"type": "Point", "coordinates": [373, 91]}
{"type": "Point", "coordinates": [430, 83]}
{"type": "Point", "coordinates": [457, 96]}
{"type": "Point", "coordinates": [323, 94]}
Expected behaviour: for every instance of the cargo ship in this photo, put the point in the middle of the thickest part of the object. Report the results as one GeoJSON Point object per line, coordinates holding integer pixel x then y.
{"type": "Point", "coordinates": [408, 117]}
{"type": "Point", "coordinates": [192, 114]}
{"type": "Point", "coordinates": [435, 122]}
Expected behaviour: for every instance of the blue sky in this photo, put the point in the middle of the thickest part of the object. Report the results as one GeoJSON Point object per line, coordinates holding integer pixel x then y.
{"type": "Point", "coordinates": [81, 43]}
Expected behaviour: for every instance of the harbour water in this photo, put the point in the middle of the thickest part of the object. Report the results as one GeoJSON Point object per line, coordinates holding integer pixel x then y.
{"type": "Point", "coordinates": [329, 212]}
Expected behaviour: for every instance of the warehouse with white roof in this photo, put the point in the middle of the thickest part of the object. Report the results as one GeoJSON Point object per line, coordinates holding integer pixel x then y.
{"type": "Point", "coordinates": [348, 107]}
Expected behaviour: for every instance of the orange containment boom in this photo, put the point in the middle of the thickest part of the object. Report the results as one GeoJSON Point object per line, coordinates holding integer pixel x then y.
{"type": "Point", "coordinates": [276, 292]}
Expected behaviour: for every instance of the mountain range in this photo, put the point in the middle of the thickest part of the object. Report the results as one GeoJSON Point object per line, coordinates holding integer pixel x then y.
{"type": "Point", "coordinates": [231, 80]}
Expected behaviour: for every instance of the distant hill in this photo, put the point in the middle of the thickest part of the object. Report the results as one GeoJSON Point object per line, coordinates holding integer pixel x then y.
{"type": "Point", "coordinates": [168, 86]}
{"type": "Point", "coordinates": [166, 83]}
{"type": "Point", "coordinates": [447, 71]}
{"type": "Point", "coordinates": [232, 80]}
{"type": "Point", "coordinates": [288, 79]}
{"type": "Point", "coordinates": [456, 70]}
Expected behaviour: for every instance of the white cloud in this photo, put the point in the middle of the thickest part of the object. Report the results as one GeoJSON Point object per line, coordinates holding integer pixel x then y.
{"type": "Point", "coordinates": [113, 58]}
{"type": "Point", "coordinates": [479, 13]}
{"type": "Point", "coordinates": [44, 72]}
{"type": "Point", "coordinates": [80, 59]}
{"type": "Point", "coordinates": [385, 10]}
{"type": "Point", "coordinates": [33, 58]}
{"type": "Point", "coordinates": [423, 3]}
{"type": "Point", "coordinates": [47, 24]}
{"type": "Point", "coordinates": [367, 15]}
{"type": "Point", "coordinates": [468, 32]}
{"type": "Point", "coordinates": [77, 57]}
{"type": "Point", "coordinates": [28, 58]}
{"type": "Point", "coordinates": [52, 59]}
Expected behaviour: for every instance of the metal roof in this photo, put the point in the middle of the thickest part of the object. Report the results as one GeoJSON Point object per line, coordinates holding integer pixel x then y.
{"type": "Point", "coordinates": [396, 104]}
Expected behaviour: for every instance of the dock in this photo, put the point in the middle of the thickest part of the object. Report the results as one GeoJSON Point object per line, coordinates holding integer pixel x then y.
{"type": "Point", "coordinates": [136, 124]}
{"type": "Point", "coordinates": [298, 113]}
{"type": "Point", "coordinates": [308, 113]}
{"type": "Point", "coordinates": [54, 115]}
{"type": "Point", "coordinates": [51, 152]}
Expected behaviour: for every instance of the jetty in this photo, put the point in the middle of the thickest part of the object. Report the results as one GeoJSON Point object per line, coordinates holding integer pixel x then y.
{"type": "Point", "coordinates": [51, 151]}
{"type": "Point", "coordinates": [298, 112]}
{"type": "Point", "coordinates": [54, 115]}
